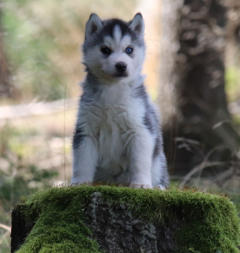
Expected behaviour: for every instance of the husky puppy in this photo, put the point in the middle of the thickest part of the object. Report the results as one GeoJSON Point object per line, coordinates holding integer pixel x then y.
{"type": "Point", "coordinates": [117, 138]}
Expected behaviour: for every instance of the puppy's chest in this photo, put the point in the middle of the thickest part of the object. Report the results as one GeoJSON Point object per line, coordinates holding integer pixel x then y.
{"type": "Point", "coordinates": [112, 126]}
{"type": "Point", "coordinates": [113, 109]}
{"type": "Point", "coordinates": [110, 118]}
{"type": "Point", "coordinates": [113, 119]}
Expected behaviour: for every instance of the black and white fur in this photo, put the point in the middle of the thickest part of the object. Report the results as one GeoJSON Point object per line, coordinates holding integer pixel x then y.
{"type": "Point", "coordinates": [117, 138]}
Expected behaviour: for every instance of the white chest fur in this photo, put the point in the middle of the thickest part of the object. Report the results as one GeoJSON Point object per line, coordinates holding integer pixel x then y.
{"type": "Point", "coordinates": [112, 119]}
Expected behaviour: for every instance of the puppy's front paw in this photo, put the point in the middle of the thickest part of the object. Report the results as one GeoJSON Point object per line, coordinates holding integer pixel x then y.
{"type": "Point", "coordinates": [160, 187]}
{"type": "Point", "coordinates": [143, 186]}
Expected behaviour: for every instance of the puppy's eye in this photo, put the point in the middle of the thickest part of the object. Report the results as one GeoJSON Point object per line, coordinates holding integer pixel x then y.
{"type": "Point", "coordinates": [106, 50]}
{"type": "Point", "coordinates": [129, 50]}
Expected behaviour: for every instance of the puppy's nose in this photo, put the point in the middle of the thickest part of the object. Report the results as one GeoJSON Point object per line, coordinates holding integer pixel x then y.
{"type": "Point", "coordinates": [121, 67]}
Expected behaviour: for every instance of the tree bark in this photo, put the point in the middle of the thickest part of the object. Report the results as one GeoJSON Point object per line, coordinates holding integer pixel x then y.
{"type": "Point", "coordinates": [194, 39]}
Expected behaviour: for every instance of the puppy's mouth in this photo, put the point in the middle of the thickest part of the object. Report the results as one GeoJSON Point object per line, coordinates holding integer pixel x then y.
{"type": "Point", "coordinates": [120, 75]}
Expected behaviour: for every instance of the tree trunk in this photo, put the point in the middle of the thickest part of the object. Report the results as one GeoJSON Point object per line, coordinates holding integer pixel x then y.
{"type": "Point", "coordinates": [6, 88]}
{"type": "Point", "coordinates": [194, 45]}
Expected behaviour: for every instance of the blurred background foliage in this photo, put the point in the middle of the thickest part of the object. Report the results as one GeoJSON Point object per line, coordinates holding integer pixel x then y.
{"type": "Point", "coordinates": [42, 42]}
{"type": "Point", "coordinates": [233, 83]}
{"type": "Point", "coordinates": [41, 49]}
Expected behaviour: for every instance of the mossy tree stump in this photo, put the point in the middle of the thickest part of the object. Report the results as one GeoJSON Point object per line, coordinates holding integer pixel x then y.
{"type": "Point", "coordinates": [114, 219]}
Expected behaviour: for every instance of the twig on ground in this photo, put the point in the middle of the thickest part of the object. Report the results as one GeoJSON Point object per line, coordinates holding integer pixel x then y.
{"type": "Point", "coordinates": [205, 164]}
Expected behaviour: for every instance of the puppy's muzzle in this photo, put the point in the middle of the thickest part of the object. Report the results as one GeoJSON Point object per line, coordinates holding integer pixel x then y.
{"type": "Point", "coordinates": [121, 69]}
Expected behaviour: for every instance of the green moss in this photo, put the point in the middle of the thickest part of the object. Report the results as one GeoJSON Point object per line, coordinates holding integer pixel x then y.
{"type": "Point", "coordinates": [59, 226]}
{"type": "Point", "coordinates": [206, 223]}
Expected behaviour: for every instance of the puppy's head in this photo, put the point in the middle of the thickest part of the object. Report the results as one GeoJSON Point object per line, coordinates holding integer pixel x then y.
{"type": "Point", "coordinates": [114, 49]}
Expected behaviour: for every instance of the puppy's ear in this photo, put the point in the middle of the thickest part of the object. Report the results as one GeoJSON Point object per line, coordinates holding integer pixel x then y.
{"type": "Point", "coordinates": [137, 24]}
{"type": "Point", "coordinates": [94, 24]}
